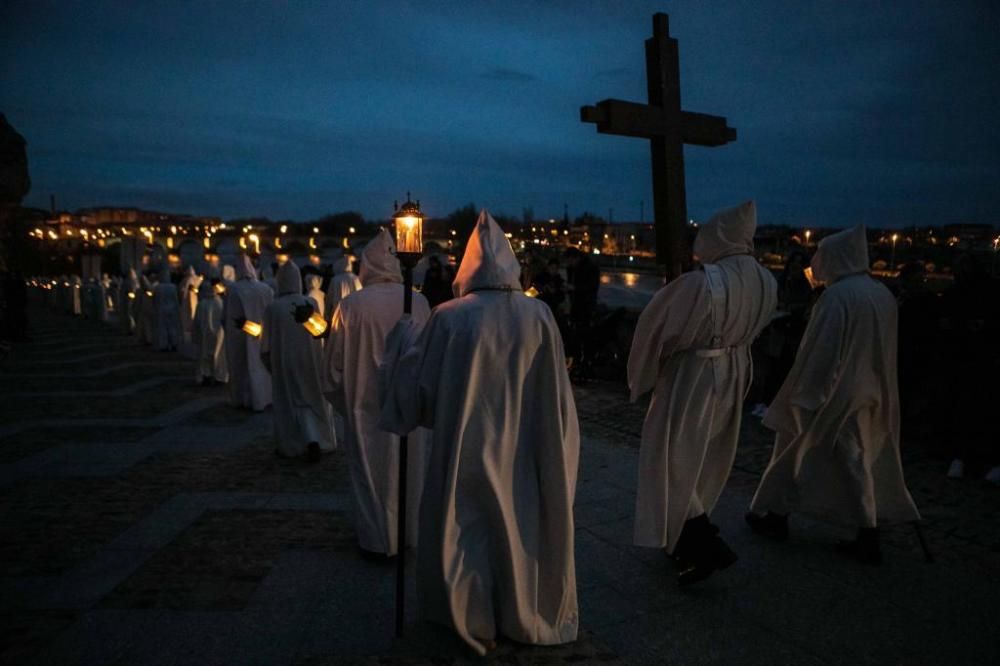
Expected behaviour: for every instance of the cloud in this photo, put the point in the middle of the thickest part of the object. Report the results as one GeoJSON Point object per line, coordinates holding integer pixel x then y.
{"type": "Point", "coordinates": [508, 74]}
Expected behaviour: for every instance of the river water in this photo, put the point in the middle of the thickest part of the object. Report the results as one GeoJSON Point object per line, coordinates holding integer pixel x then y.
{"type": "Point", "coordinates": [628, 289]}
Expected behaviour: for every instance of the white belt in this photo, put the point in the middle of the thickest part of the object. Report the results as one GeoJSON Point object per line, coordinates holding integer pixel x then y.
{"type": "Point", "coordinates": [713, 353]}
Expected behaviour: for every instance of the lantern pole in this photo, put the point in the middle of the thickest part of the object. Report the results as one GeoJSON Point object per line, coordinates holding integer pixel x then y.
{"type": "Point", "coordinates": [409, 241]}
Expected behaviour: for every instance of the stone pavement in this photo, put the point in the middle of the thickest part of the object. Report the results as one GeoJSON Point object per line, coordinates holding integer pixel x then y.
{"type": "Point", "coordinates": [143, 521]}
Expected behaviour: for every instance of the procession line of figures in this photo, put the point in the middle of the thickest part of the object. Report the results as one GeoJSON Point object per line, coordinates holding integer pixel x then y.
{"type": "Point", "coordinates": [480, 386]}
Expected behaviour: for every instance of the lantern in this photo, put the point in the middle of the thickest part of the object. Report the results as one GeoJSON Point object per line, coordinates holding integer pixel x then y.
{"type": "Point", "coordinates": [149, 293]}
{"type": "Point", "coordinates": [409, 229]}
{"type": "Point", "coordinates": [131, 295]}
{"type": "Point", "coordinates": [252, 328]}
{"type": "Point", "coordinates": [220, 288]}
{"type": "Point", "coordinates": [316, 325]}
{"type": "Point", "coordinates": [531, 292]}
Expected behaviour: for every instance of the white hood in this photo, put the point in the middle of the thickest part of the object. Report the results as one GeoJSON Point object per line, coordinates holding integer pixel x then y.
{"type": "Point", "coordinates": [727, 233]}
{"type": "Point", "coordinates": [379, 262]}
{"type": "Point", "coordinates": [228, 273]}
{"type": "Point", "coordinates": [244, 268]}
{"type": "Point", "coordinates": [844, 253]}
{"type": "Point", "coordinates": [489, 261]}
{"type": "Point", "coordinates": [341, 264]}
{"type": "Point", "coordinates": [289, 279]}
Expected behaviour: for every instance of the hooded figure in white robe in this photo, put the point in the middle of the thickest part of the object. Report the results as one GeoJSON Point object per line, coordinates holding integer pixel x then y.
{"type": "Point", "coordinates": [75, 296]}
{"type": "Point", "coordinates": [303, 423]}
{"type": "Point", "coordinates": [692, 349]}
{"type": "Point", "coordinates": [353, 352]}
{"type": "Point", "coordinates": [836, 417]}
{"type": "Point", "coordinates": [187, 290]}
{"type": "Point", "coordinates": [228, 275]}
{"type": "Point", "coordinates": [209, 336]}
{"type": "Point", "coordinates": [343, 283]}
{"type": "Point", "coordinates": [167, 308]}
{"type": "Point", "coordinates": [128, 290]}
{"type": "Point", "coordinates": [488, 374]}
{"type": "Point", "coordinates": [315, 292]}
{"type": "Point", "coordinates": [246, 301]}
{"type": "Point", "coordinates": [110, 292]}
{"type": "Point", "coordinates": [97, 300]}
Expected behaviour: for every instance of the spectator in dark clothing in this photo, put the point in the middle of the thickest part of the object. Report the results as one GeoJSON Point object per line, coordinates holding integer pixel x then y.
{"type": "Point", "coordinates": [780, 341]}
{"type": "Point", "coordinates": [970, 328]}
{"type": "Point", "coordinates": [437, 285]}
{"type": "Point", "coordinates": [584, 281]}
{"type": "Point", "coordinates": [551, 287]}
{"type": "Point", "coordinates": [15, 298]}
{"type": "Point", "coordinates": [919, 347]}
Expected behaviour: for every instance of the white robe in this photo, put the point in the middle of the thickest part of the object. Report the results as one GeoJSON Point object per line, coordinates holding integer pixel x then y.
{"type": "Point", "coordinates": [209, 337]}
{"type": "Point", "coordinates": [316, 294]}
{"type": "Point", "coordinates": [342, 284]}
{"type": "Point", "coordinates": [301, 412]}
{"type": "Point", "coordinates": [836, 452]}
{"type": "Point", "coordinates": [693, 351]}
{"type": "Point", "coordinates": [496, 523]}
{"type": "Point", "coordinates": [249, 380]}
{"type": "Point", "coordinates": [127, 294]}
{"type": "Point", "coordinates": [75, 296]}
{"type": "Point", "coordinates": [353, 353]}
{"type": "Point", "coordinates": [167, 317]}
{"type": "Point", "coordinates": [187, 291]}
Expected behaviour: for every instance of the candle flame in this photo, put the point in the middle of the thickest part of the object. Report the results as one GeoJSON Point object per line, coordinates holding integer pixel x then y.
{"type": "Point", "coordinates": [252, 329]}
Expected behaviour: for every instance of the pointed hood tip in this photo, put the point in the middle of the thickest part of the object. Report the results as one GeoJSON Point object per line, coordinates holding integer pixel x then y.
{"type": "Point", "coordinates": [245, 269]}
{"type": "Point", "coordinates": [841, 254]}
{"type": "Point", "coordinates": [289, 279]}
{"type": "Point", "coordinates": [728, 232]}
{"type": "Point", "coordinates": [379, 262]}
{"type": "Point", "coordinates": [489, 261]}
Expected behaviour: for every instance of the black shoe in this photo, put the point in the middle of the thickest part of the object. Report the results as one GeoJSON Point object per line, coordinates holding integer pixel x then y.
{"type": "Point", "coordinates": [378, 558]}
{"type": "Point", "coordinates": [865, 548]}
{"type": "Point", "coordinates": [313, 454]}
{"type": "Point", "coordinates": [700, 551]}
{"type": "Point", "coordinates": [771, 525]}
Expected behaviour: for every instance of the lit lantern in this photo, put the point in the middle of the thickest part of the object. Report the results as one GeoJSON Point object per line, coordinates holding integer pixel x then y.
{"type": "Point", "coordinates": [252, 328]}
{"type": "Point", "coordinates": [531, 292]}
{"type": "Point", "coordinates": [220, 288]}
{"type": "Point", "coordinates": [282, 258]}
{"type": "Point", "coordinates": [207, 242]}
{"type": "Point", "coordinates": [255, 239]}
{"type": "Point", "coordinates": [409, 230]}
{"type": "Point", "coordinates": [149, 294]}
{"type": "Point", "coordinates": [131, 295]}
{"type": "Point", "coordinates": [316, 324]}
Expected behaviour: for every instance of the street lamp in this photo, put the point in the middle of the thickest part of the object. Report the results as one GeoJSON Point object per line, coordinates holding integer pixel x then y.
{"type": "Point", "coordinates": [409, 223]}
{"type": "Point", "coordinates": [892, 257]}
{"type": "Point", "coordinates": [808, 234]}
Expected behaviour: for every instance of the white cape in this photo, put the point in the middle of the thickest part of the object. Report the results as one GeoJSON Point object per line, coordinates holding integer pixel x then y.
{"type": "Point", "coordinates": [354, 351]}
{"type": "Point", "coordinates": [836, 453]}
{"type": "Point", "coordinates": [249, 381]}
{"type": "Point", "coordinates": [209, 335]}
{"type": "Point", "coordinates": [342, 284]}
{"type": "Point", "coordinates": [488, 375]}
{"type": "Point", "coordinates": [692, 348]}
{"type": "Point", "coordinates": [166, 315]}
{"type": "Point", "coordinates": [301, 413]}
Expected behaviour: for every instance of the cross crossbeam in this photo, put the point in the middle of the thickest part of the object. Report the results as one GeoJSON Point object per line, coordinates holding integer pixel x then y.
{"type": "Point", "coordinates": [667, 128]}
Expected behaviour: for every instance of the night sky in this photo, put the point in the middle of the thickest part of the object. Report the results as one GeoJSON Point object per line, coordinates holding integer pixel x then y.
{"type": "Point", "coordinates": [882, 113]}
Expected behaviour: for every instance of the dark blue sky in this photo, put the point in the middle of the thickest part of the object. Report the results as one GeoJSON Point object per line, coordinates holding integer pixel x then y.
{"type": "Point", "coordinates": [883, 113]}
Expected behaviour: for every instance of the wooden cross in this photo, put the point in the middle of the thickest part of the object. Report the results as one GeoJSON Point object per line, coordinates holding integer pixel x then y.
{"type": "Point", "coordinates": [668, 128]}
